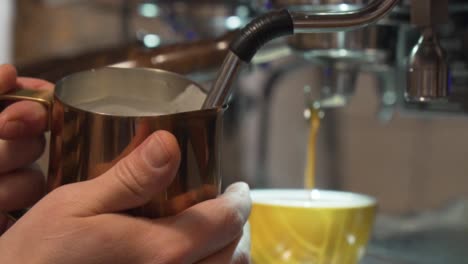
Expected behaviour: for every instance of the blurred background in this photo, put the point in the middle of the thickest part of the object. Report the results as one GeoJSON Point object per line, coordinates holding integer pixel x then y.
{"type": "Point", "coordinates": [413, 158]}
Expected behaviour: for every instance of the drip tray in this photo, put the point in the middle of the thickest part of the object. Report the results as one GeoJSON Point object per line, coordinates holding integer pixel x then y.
{"type": "Point", "coordinates": [428, 237]}
{"type": "Point", "coordinates": [428, 247]}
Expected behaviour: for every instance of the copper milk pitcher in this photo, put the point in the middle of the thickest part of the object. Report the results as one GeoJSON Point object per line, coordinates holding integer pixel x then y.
{"type": "Point", "coordinates": [98, 117]}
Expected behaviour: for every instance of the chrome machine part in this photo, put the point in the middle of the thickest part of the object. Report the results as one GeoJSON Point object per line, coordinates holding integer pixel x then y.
{"type": "Point", "coordinates": [225, 78]}
{"type": "Point", "coordinates": [341, 55]}
{"type": "Point", "coordinates": [344, 20]}
{"type": "Point", "coordinates": [451, 32]}
{"type": "Point", "coordinates": [338, 85]}
{"type": "Point", "coordinates": [276, 24]}
{"type": "Point", "coordinates": [367, 45]}
{"type": "Point", "coordinates": [427, 66]}
{"type": "Point", "coordinates": [427, 69]}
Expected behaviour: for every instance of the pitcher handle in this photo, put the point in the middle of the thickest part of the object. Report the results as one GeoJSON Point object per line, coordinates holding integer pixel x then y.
{"type": "Point", "coordinates": [41, 96]}
{"type": "Point", "coordinates": [44, 97]}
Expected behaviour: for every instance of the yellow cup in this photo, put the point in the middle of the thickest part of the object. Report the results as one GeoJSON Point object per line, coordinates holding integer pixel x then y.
{"type": "Point", "coordinates": [310, 226]}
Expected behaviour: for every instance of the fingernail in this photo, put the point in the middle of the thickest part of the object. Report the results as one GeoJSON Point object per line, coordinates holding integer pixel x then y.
{"type": "Point", "coordinates": [241, 187]}
{"type": "Point", "coordinates": [240, 193]}
{"type": "Point", "coordinates": [155, 152]}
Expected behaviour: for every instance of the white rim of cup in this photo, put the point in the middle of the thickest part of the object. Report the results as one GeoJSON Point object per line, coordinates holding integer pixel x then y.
{"type": "Point", "coordinates": [309, 198]}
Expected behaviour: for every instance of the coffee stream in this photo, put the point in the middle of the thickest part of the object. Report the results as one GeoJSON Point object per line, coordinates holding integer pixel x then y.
{"type": "Point", "coordinates": [309, 175]}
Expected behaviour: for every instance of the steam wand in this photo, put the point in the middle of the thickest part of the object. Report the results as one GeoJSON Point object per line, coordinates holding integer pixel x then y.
{"type": "Point", "coordinates": [282, 23]}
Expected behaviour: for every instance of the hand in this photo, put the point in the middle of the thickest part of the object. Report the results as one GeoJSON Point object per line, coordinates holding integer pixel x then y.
{"type": "Point", "coordinates": [21, 142]}
{"type": "Point", "coordinates": [80, 223]}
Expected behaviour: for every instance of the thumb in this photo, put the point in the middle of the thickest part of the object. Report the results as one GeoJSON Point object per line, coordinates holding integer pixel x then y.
{"type": "Point", "coordinates": [135, 179]}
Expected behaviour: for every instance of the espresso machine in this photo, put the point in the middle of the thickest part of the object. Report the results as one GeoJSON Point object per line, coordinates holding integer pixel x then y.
{"type": "Point", "coordinates": [397, 80]}
{"type": "Point", "coordinates": [415, 58]}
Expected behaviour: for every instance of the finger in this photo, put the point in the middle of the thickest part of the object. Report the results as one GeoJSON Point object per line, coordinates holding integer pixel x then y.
{"type": "Point", "coordinates": [7, 78]}
{"type": "Point", "coordinates": [32, 83]}
{"type": "Point", "coordinates": [19, 153]}
{"type": "Point", "coordinates": [21, 189]}
{"type": "Point", "coordinates": [234, 253]}
{"type": "Point", "coordinates": [134, 180]}
{"type": "Point", "coordinates": [210, 226]}
{"type": "Point", "coordinates": [23, 119]}
{"type": "Point", "coordinates": [191, 236]}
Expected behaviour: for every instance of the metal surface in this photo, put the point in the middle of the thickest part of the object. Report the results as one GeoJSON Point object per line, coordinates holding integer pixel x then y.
{"type": "Point", "coordinates": [373, 44]}
{"type": "Point", "coordinates": [338, 85]}
{"type": "Point", "coordinates": [431, 236]}
{"type": "Point", "coordinates": [311, 5]}
{"type": "Point", "coordinates": [342, 55]}
{"type": "Point", "coordinates": [427, 70]}
{"type": "Point", "coordinates": [302, 23]}
{"type": "Point", "coordinates": [85, 142]}
{"type": "Point", "coordinates": [221, 88]}
{"type": "Point", "coordinates": [427, 13]}
{"type": "Point", "coordinates": [339, 21]}
{"type": "Point", "coordinates": [43, 97]}
{"type": "Point", "coordinates": [451, 37]}
{"type": "Point", "coordinates": [317, 4]}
